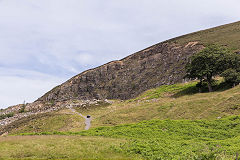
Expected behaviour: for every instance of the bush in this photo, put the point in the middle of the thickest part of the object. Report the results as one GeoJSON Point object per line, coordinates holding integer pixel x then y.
{"type": "Point", "coordinates": [22, 108]}
{"type": "Point", "coordinates": [3, 116]}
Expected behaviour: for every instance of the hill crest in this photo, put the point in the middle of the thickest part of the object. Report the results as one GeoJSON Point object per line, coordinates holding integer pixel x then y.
{"type": "Point", "coordinates": [160, 64]}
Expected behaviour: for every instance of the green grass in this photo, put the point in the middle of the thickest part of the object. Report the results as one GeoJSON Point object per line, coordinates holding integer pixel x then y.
{"type": "Point", "coordinates": [60, 147]}
{"type": "Point", "coordinates": [55, 121]}
{"type": "Point", "coordinates": [227, 35]}
{"type": "Point", "coordinates": [187, 88]}
{"type": "Point", "coordinates": [174, 139]}
{"type": "Point", "coordinates": [170, 102]}
{"type": "Point", "coordinates": [179, 101]}
{"type": "Point", "coordinates": [141, 127]}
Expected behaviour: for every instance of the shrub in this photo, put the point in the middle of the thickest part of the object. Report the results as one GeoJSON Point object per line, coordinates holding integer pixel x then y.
{"type": "Point", "coordinates": [3, 116]}
{"type": "Point", "coordinates": [22, 108]}
{"type": "Point", "coordinates": [231, 76]}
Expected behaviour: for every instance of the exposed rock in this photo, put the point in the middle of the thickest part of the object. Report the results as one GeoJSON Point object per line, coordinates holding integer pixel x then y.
{"type": "Point", "coordinates": [161, 64]}
{"type": "Point", "coordinates": [11, 109]}
{"type": "Point", "coordinates": [18, 116]}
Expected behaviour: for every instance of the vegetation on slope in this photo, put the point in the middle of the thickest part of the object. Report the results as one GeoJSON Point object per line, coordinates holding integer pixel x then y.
{"type": "Point", "coordinates": [56, 121]}
{"type": "Point", "coordinates": [179, 101]}
{"type": "Point", "coordinates": [226, 35]}
{"type": "Point", "coordinates": [3, 116]}
{"type": "Point", "coordinates": [154, 138]}
{"type": "Point", "coordinates": [173, 139]}
{"type": "Point", "coordinates": [212, 61]}
{"type": "Point", "coordinates": [178, 139]}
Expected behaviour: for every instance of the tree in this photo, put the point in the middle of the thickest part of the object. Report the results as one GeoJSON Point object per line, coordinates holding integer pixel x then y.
{"type": "Point", "coordinates": [231, 76]}
{"type": "Point", "coordinates": [209, 62]}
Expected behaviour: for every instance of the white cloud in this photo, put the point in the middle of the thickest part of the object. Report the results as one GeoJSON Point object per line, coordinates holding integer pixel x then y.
{"type": "Point", "coordinates": [64, 37]}
{"type": "Point", "coordinates": [17, 86]}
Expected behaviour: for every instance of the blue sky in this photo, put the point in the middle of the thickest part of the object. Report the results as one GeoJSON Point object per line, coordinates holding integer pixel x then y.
{"type": "Point", "coordinates": [45, 42]}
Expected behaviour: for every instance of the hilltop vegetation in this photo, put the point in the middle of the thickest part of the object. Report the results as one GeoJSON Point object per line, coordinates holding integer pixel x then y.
{"type": "Point", "coordinates": [225, 35]}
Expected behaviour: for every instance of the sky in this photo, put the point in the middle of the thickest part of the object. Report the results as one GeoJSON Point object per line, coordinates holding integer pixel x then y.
{"type": "Point", "coordinates": [45, 42]}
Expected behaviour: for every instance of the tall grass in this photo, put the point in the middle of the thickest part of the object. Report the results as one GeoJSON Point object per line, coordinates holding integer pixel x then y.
{"type": "Point", "coordinates": [60, 147]}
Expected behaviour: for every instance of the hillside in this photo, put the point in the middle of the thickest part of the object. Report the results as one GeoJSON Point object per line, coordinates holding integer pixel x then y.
{"type": "Point", "coordinates": [154, 139]}
{"type": "Point", "coordinates": [155, 66]}
{"type": "Point", "coordinates": [141, 108]}
{"type": "Point", "coordinates": [226, 35]}
{"type": "Point", "coordinates": [138, 128]}
{"type": "Point", "coordinates": [179, 101]}
{"type": "Point", "coordinates": [160, 64]}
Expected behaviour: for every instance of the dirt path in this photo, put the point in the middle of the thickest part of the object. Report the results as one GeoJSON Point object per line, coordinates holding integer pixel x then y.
{"type": "Point", "coordinates": [88, 119]}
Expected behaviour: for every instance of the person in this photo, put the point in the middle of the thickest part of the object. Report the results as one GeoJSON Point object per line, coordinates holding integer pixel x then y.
{"type": "Point", "coordinates": [88, 122]}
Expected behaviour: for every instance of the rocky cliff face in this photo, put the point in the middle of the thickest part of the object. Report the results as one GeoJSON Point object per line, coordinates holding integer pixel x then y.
{"type": "Point", "coordinates": [161, 64]}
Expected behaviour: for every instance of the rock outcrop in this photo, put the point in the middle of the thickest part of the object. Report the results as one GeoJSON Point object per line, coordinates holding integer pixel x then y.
{"type": "Point", "coordinates": [161, 64]}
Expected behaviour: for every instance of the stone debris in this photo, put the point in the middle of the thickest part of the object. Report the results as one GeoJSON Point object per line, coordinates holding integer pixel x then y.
{"type": "Point", "coordinates": [18, 116]}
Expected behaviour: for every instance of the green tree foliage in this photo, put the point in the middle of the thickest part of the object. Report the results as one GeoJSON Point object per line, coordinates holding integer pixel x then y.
{"type": "Point", "coordinates": [231, 76]}
{"type": "Point", "coordinates": [211, 61]}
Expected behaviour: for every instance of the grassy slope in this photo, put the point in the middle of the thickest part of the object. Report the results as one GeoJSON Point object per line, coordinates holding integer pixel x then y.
{"type": "Point", "coordinates": [173, 139]}
{"type": "Point", "coordinates": [228, 35]}
{"type": "Point", "coordinates": [177, 139]}
{"type": "Point", "coordinates": [165, 102]}
{"type": "Point", "coordinates": [152, 139]}
{"type": "Point", "coordinates": [62, 120]}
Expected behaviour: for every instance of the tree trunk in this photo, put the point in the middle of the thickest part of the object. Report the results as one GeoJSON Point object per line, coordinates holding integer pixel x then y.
{"type": "Point", "coordinates": [209, 85]}
{"type": "Point", "coordinates": [199, 90]}
{"type": "Point", "coordinates": [200, 86]}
